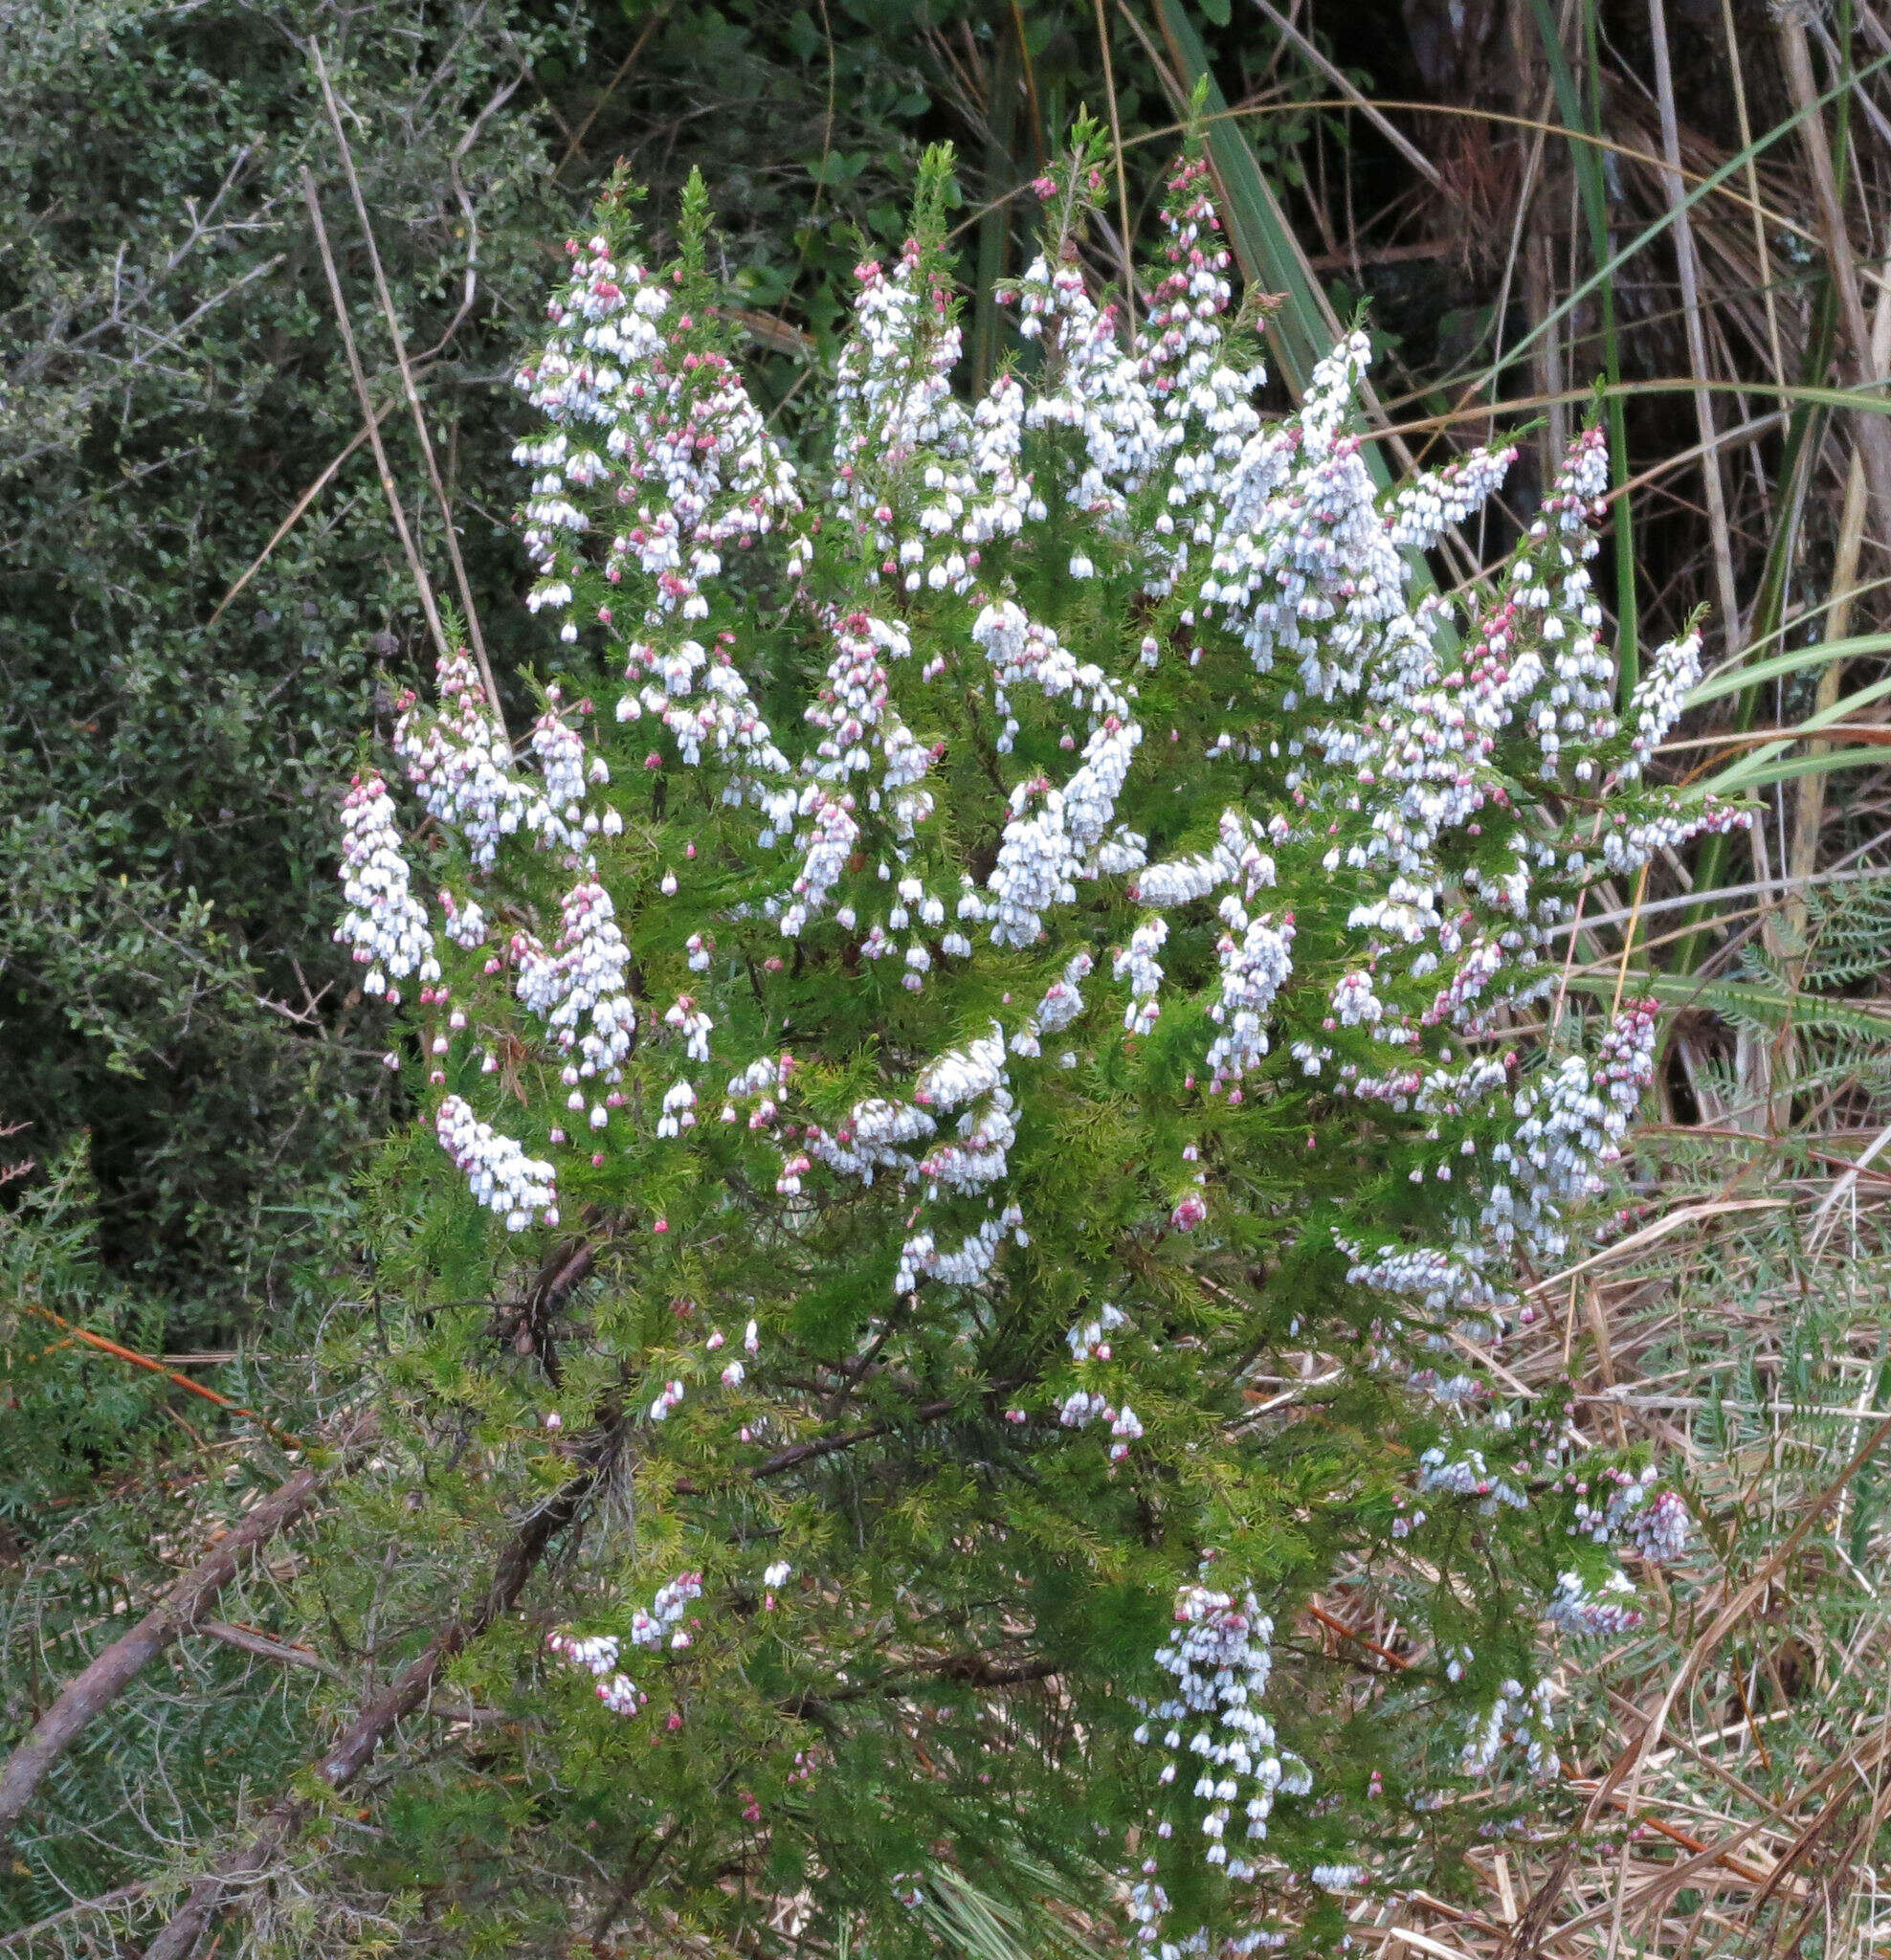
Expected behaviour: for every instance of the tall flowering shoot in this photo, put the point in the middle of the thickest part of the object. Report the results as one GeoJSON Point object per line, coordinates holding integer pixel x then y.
{"type": "Point", "coordinates": [1013, 936]}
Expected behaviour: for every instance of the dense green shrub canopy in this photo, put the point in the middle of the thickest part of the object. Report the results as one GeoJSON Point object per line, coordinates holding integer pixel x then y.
{"type": "Point", "coordinates": [174, 386]}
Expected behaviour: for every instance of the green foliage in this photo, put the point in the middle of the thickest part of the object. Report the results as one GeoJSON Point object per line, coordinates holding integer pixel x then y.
{"type": "Point", "coordinates": [61, 1418]}
{"type": "Point", "coordinates": [94, 1511]}
{"type": "Point", "coordinates": [175, 386]}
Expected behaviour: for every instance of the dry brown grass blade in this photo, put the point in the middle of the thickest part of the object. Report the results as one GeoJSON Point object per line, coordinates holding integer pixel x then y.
{"type": "Point", "coordinates": [1759, 211]}
{"type": "Point", "coordinates": [1688, 266]}
{"type": "Point", "coordinates": [1733, 1610]}
{"type": "Point", "coordinates": [469, 611]}
{"type": "Point", "coordinates": [1682, 1218]}
{"type": "Point", "coordinates": [371, 422]}
{"type": "Point", "coordinates": [1722, 1855]}
{"type": "Point", "coordinates": [1855, 1765]}
{"type": "Point", "coordinates": [1872, 434]}
{"type": "Point", "coordinates": [1761, 256]}
{"type": "Point", "coordinates": [1810, 813]}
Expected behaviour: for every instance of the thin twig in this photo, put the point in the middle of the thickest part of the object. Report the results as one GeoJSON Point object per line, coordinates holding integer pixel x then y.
{"type": "Point", "coordinates": [1688, 264]}
{"type": "Point", "coordinates": [1390, 130]}
{"type": "Point", "coordinates": [102, 1902]}
{"type": "Point", "coordinates": [250, 1642]}
{"type": "Point", "coordinates": [1122, 173]}
{"type": "Point", "coordinates": [612, 86]}
{"type": "Point", "coordinates": [121, 1352]}
{"type": "Point", "coordinates": [289, 523]}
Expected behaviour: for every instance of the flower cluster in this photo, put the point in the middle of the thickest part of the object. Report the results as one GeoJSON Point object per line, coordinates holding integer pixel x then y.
{"type": "Point", "coordinates": [1619, 1506]}
{"type": "Point", "coordinates": [581, 979]}
{"type": "Point", "coordinates": [1590, 1612]}
{"type": "Point", "coordinates": [385, 922]}
{"type": "Point", "coordinates": [660, 1626]}
{"type": "Point", "coordinates": [597, 1654]}
{"type": "Point", "coordinates": [1519, 1717]}
{"type": "Point", "coordinates": [662, 1623]}
{"type": "Point", "coordinates": [520, 1189]}
{"type": "Point", "coordinates": [1220, 1657]}
{"type": "Point", "coordinates": [666, 426]}
{"type": "Point", "coordinates": [459, 762]}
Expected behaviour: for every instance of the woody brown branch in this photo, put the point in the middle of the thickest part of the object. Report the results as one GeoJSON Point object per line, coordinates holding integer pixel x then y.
{"type": "Point", "coordinates": [99, 1684]}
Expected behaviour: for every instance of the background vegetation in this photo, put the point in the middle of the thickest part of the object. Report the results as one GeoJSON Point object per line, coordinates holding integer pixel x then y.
{"type": "Point", "coordinates": [202, 600]}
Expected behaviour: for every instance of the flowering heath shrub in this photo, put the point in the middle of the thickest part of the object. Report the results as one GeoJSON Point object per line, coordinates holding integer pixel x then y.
{"type": "Point", "coordinates": [1022, 950]}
